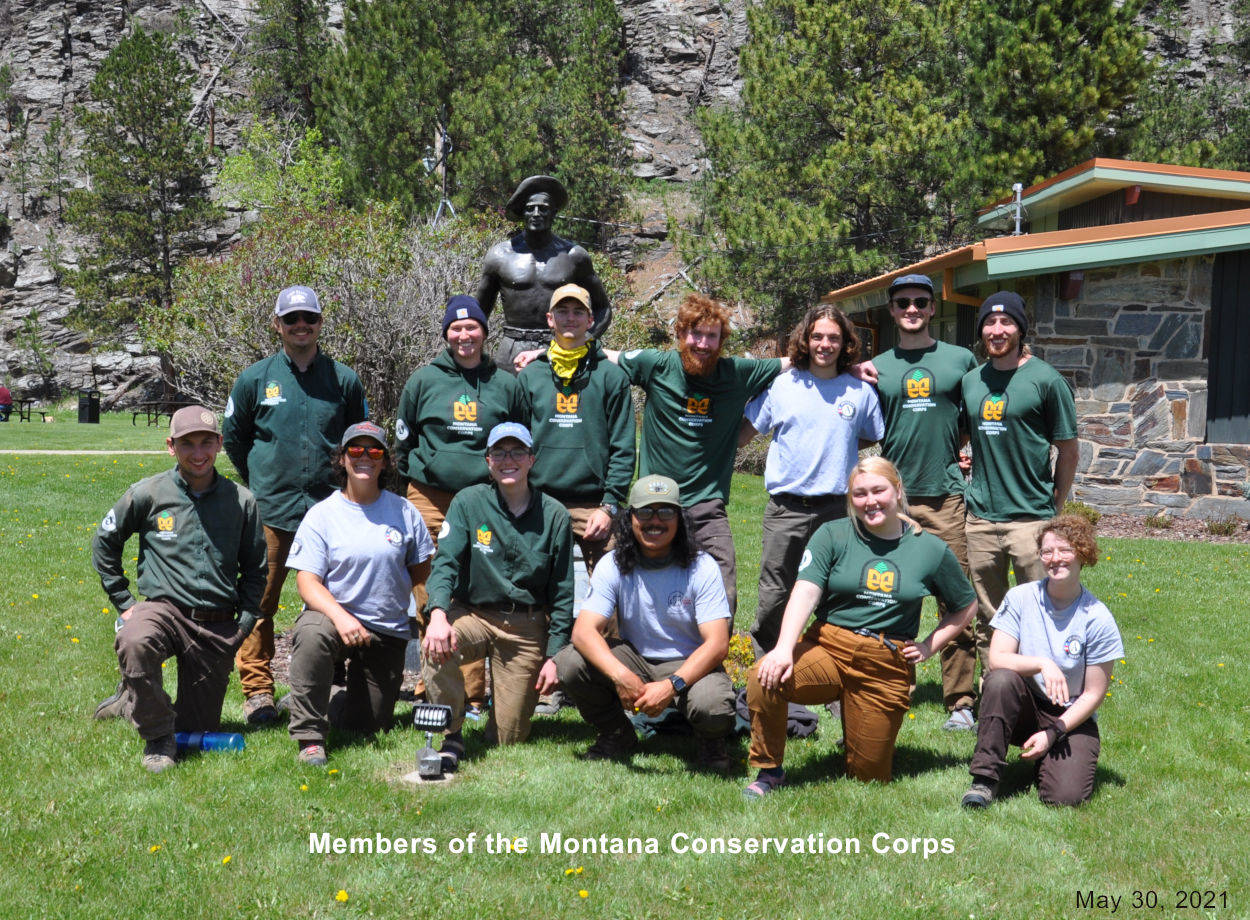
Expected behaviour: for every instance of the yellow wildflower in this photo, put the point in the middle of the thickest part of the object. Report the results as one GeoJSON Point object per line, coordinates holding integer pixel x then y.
{"type": "Point", "coordinates": [341, 896]}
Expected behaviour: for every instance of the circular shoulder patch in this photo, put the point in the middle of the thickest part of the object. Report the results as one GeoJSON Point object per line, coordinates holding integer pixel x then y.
{"type": "Point", "coordinates": [229, 407]}
{"type": "Point", "coordinates": [109, 524]}
{"type": "Point", "coordinates": [444, 530]}
{"type": "Point", "coordinates": [632, 353]}
{"type": "Point", "coordinates": [296, 546]}
{"type": "Point", "coordinates": [806, 560]}
{"type": "Point", "coordinates": [401, 430]}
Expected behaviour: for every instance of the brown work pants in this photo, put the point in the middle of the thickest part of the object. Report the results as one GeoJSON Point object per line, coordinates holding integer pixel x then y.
{"type": "Point", "coordinates": [944, 517]}
{"type": "Point", "coordinates": [255, 656]}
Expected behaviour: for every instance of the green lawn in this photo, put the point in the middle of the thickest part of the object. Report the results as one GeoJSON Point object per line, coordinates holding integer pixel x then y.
{"type": "Point", "coordinates": [115, 431]}
{"type": "Point", "coordinates": [85, 833]}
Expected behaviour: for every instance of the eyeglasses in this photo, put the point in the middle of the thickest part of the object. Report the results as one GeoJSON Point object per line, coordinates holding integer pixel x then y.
{"type": "Point", "coordinates": [356, 451]}
{"type": "Point", "coordinates": [918, 302]}
{"type": "Point", "coordinates": [664, 513]}
{"type": "Point", "coordinates": [301, 316]}
{"type": "Point", "coordinates": [1058, 552]}
{"type": "Point", "coordinates": [510, 453]}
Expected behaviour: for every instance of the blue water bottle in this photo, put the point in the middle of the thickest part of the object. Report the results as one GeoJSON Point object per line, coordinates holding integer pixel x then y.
{"type": "Point", "coordinates": [189, 742]}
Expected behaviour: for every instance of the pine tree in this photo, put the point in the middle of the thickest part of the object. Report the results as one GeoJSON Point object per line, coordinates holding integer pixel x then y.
{"type": "Point", "coordinates": [287, 50]}
{"type": "Point", "coordinates": [54, 164]}
{"type": "Point", "coordinates": [147, 166]}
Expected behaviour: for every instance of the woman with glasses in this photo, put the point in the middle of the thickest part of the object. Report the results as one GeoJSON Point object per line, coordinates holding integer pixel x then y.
{"type": "Point", "coordinates": [357, 556]}
{"type": "Point", "coordinates": [674, 625]}
{"type": "Point", "coordinates": [1051, 656]}
{"type": "Point", "coordinates": [865, 578]}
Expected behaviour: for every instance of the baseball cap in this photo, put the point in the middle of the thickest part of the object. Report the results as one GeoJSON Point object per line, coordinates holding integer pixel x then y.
{"type": "Point", "coordinates": [509, 430]}
{"type": "Point", "coordinates": [1006, 302]}
{"type": "Point", "coordinates": [570, 292]}
{"type": "Point", "coordinates": [364, 430]}
{"type": "Point", "coordinates": [191, 419]}
{"type": "Point", "coordinates": [654, 490]}
{"type": "Point", "coordinates": [902, 281]}
{"type": "Point", "coordinates": [297, 297]}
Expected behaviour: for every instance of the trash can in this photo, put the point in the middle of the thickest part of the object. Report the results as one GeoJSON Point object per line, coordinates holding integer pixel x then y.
{"type": "Point", "coordinates": [88, 407]}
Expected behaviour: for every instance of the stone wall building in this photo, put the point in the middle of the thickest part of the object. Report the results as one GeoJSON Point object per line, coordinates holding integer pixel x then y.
{"type": "Point", "coordinates": [1137, 278]}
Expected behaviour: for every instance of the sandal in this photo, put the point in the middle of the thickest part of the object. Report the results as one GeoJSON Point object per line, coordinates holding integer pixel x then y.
{"type": "Point", "coordinates": [765, 782]}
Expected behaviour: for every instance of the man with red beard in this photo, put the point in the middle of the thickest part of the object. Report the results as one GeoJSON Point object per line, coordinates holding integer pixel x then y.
{"type": "Point", "coordinates": [1018, 407]}
{"type": "Point", "coordinates": [690, 424]}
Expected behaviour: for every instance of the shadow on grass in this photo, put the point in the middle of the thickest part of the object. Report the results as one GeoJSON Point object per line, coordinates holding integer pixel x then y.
{"type": "Point", "coordinates": [1020, 779]}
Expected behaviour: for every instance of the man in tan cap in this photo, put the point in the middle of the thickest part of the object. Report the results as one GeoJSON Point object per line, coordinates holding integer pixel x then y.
{"type": "Point", "coordinates": [201, 569]}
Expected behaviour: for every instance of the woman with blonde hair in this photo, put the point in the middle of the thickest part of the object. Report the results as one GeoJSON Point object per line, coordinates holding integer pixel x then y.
{"type": "Point", "coordinates": [865, 578]}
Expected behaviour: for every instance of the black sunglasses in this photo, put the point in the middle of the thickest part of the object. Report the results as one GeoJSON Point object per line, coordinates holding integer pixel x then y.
{"type": "Point", "coordinates": [664, 513]}
{"type": "Point", "coordinates": [904, 302]}
{"type": "Point", "coordinates": [301, 316]}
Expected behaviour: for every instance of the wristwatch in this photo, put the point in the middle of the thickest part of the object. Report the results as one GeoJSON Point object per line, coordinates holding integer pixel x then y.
{"type": "Point", "coordinates": [678, 684]}
{"type": "Point", "coordinates": [610, 508]}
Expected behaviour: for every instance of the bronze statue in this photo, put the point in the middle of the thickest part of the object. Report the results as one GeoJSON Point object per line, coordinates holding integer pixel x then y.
{"type": "Point", "coordinates": [524, 271]}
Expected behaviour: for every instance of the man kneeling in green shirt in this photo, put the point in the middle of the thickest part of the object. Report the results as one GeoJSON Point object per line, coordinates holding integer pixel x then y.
{"type": "Point", "coordinates": [502, 585]}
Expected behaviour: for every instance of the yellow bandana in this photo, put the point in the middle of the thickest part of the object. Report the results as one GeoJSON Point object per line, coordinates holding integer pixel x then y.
{"type": "Point", "coordinates": [564, 360]}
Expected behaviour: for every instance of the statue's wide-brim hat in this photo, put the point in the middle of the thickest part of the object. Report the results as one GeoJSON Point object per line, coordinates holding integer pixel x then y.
{"type": "Point", "coordinates": [549, 184]}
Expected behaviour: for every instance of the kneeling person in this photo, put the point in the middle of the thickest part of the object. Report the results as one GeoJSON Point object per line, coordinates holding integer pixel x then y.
{"type": "Point", "coordinates": [674, 624]}
{"type": "Point", "coordinates": [202, 568]}
{"type": "Point", "coordinates": [501, 585]}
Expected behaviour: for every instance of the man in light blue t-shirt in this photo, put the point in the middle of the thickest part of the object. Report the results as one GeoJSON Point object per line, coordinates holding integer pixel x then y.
{"type": "Point", "coordinates": [819, 416]}
{"type": "Point", "coordinates": [674, 623]}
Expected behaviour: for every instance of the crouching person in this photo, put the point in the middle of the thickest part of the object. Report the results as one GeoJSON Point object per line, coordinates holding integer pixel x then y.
{"type": "Point", "coordinates": [357, 556]}
{"type": "Point", "coordinates": [202, 570]}
{"type": "Point", "coordinates": [674, 631]}
{"type": "Point", "coordinates": [501, 585]}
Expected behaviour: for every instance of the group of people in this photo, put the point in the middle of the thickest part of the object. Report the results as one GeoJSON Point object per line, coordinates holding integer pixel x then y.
{"type": "Point", "coordinates": [506, 471]}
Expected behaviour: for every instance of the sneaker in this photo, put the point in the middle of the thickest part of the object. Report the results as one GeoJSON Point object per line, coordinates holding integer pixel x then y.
{"type": "Point", "coordinates": [312, 753]}
{"type": "Point", "coordinates": [765, 782]}
{"type": "Point", "coordinates": [551, 705]}
{"type": "Point", "coordinates": [713, 755]}
{"type": "Point", "coordinates": [112, 707]}
{"type": "Point", "coordinates": [260, 710]}
{"type": "Point", "coordinates": [159, 753]}
{"type": "Point", "coordinates": [452, 751]}
{"type": "Point", "coordinates": [475, 712]}
{"type": "Point", "coordinates": [961, 720]}
{"type": "Point", "coordinates": [979, 795]}
{"type": "Point", "coordinates": [614, 745]}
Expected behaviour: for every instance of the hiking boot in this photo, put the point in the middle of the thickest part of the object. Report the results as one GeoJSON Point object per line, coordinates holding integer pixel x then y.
{"type": "Point", "coordinates": [452, 751]}
{"type": "Point", "coordinates": [113, 707]}
{"type": "Point", "coordinates": [713, 755]}
{"type": "Point", "coordinates": [552, 704]}
{"type": "Point", "coordinates": [260, 710]}
{"type": "Point", "coordinates": [158, 754]}
{"type": "Point", "coordinates": [979, 795]}
{"type": "Point", "coordinates": [312, 754]}
{"type": "Point", "coordinates": [614, 745]}
{"type": "Point", "coordinates": [961, 720]}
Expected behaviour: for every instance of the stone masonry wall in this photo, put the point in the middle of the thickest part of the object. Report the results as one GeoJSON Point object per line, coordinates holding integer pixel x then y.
{"type": "Point", "coordinates": [1132, 345]}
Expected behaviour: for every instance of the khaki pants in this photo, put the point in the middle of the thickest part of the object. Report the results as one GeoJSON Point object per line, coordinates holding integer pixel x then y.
{"type": "Point", "coordinates": [994, 547]}
{"type": "Point", "coordinates": [831, 663]}
{"type": "Point", "coordinates": [711, 529]}
{"type": "Point", "coordinates": [944, 517]}
{"type": "Point", "coordinates": [516, 643]}
{"type": "Point", "coordinates": [592, 550]}
{"type": "Point", "coordinates": [255, 656]}
{"type": "Point", "coordinates": [432, 505]}
{"type": "Point", "coordinates": [156, 630]}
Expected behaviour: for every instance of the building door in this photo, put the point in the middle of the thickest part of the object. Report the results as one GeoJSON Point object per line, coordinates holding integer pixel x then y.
{"type": "Point", "coordinates": [1228, 374]}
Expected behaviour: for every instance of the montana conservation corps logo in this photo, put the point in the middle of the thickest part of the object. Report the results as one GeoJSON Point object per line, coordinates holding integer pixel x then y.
{"type": "Point", "coordinates": [698, 406]}
{"type": "Point", "coordinates": [484, 537]}
{"type": "Point", "coordinates": [401, 430]}
{"type": "Point", "coordinates": [994, 407]}
{"type": "Point", "coordinates": [880, 577]}
{"type": "Point", "coordinates": [846, 410]}
{"type": "Point", "coordinates": [918, 384]}
{"type": "Point", "coordinates": [165, 522]}
{"type": "Point", "coordinates": [273, 394]}
{"type": "Point", "coordinates": [566, 405]}
{"type": "Point", "coordinates": [464, 409]}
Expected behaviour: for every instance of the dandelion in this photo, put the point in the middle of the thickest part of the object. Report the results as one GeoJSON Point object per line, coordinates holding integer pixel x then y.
{"type": "Point", "coordinates": [1221, 664]}
{"type": "Point", "coordinates": [568, 871]}
{"type": "Point", "coordinates": [74, 639]}
{"type": "Point", "coordinates": [583, 893]}
{"type": "Point", "coordinates": [911, 715]}
{"type": "Point", "coordinates": [154, 847]}
{"type": "Point", "coordinates": [303, 787]}
{"type": "Point", "coordinates": [341, 897]}
{"type": "Point", "coordinates": [1148, 641]}
{"type": "Point", "coordinates": [334, 770]}
{"type": "Point", "coordinates": [225, 860]}
{"type": "Point", "coordinates": [579, 870]}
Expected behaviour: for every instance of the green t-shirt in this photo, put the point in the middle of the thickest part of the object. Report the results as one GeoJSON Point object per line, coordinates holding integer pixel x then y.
{"type": "Point", "coordinates": [690, 424]}
{"type": "Point", "coordinates": [869, 583]}
{"type": "Point", "coordinates": [921, 398]}
{"type": "Point", "coordinates": [1014, 416]}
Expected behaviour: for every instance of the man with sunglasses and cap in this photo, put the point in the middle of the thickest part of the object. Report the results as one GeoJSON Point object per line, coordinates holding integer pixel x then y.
{"type": "Point", "coordinates": [1018, 408]}
{"type": "Point", "coordinates": [920, 384]}
{"type": "Point", "coordinates": [283, 421]}
{"type": "Point", "coordinates": [674, 631]}
{"type": "Point", "coordinates": [201, 570]}
{"type": "Point", "coordinates": [524, 271]}
{"type": "Point", "coordinates": [501, 585]}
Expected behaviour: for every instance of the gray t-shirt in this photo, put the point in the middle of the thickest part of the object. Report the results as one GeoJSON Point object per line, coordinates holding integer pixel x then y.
{"type": "Point", "coordinates": [660, 609]}
{"type": "Point", "coordinates": [362, 553]}
{"type": "Point", "coordinates": [1080, 634]}
{"type": "Point", "coordinates": [816, 426]}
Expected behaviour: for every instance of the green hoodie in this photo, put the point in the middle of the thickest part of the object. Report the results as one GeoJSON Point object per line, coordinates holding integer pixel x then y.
{"type": "Point", "coordinates": [583, 432]}
{"type": "Point", "coordinates": [445, 414]}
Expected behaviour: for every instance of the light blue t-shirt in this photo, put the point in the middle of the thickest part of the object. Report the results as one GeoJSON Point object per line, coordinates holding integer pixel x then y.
{"type": "Point", "coordinates": [659, 610]}
{"type": "Point", "coordinates": [362, 553]}
{"type": "Point", "coordinates": [816, 426]}
{"type": "Point", "coordinates": [1080, 634]}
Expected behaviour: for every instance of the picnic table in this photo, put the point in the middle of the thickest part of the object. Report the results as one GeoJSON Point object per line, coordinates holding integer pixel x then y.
{"type": "Point", "coordinates": [153, 409]}
{"type": "Point", "coordinates": [24, 405]}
